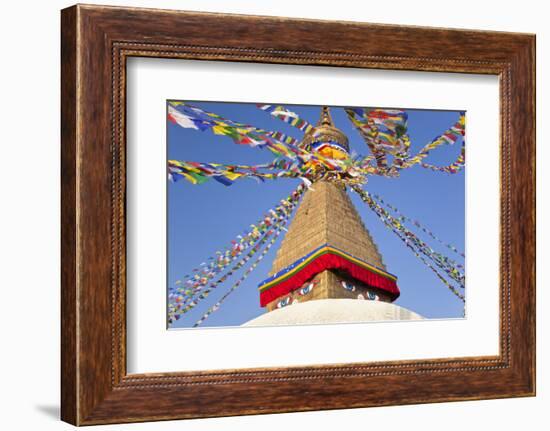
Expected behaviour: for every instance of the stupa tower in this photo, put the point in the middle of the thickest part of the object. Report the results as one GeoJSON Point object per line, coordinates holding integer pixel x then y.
{"type": "Point", "coordinates": [327, 252]}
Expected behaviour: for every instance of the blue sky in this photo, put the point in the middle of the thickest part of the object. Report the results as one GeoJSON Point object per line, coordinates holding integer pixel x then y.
{"type": "Point", "coordinates": [205, 218]}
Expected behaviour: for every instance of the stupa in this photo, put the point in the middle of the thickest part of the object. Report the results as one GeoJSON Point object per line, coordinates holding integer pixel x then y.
{"type": "Point", "coordinates": [328, 255]}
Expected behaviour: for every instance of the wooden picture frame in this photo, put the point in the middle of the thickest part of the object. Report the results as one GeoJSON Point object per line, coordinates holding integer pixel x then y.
{"type": "Point", "coordinates": [96, 41]}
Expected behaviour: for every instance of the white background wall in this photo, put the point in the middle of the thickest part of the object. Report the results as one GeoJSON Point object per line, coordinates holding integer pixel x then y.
{"type": "Point", "coordinates": [29, 214]}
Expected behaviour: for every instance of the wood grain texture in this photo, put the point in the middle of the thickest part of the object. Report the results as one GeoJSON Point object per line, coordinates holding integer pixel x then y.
{"type": "Point", "coordinates": [96, 41]}
{"type": "Point", "coordinates": [69, 397]}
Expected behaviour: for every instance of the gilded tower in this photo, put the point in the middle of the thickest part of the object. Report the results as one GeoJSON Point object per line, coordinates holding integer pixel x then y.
{"type": "Point", "coordinates": [327, 253]}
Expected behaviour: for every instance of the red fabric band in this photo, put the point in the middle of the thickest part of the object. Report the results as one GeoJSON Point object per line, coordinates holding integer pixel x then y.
{"type": "Point", "coordinates": [324, 262]}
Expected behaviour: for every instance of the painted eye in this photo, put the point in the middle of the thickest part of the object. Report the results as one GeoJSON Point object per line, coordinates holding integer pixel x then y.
{"type": "Point", "coordinates": [372, 296]}
{"type": "Point", "coordinates": [306, 289]}
{"type": "Point", "coordinates": [283, 302]}
{"type": "Point", "coordinates": [348, 286]}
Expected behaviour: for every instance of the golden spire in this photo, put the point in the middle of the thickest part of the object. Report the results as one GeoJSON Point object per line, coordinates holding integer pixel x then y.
{"type": "Point", "coordinates": [327, 215]}
{"type": "Point", "coordinates": [325, 119]}
{"type": "Point", "coordinates": [325, 131]}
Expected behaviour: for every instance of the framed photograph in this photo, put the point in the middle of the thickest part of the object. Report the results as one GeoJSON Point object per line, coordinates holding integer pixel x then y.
{"type": "Point", "coordinates": [326, 214]}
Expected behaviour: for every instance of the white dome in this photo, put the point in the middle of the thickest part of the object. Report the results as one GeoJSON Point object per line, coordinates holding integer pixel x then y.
{"type": "Point", "coordinates": [320, 311]}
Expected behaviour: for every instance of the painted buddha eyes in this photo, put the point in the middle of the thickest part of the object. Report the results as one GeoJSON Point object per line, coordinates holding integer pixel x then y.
{"type": "Point", "coordinates": [283, 302]}
{"type": "Point", "coordinates": [348, 286]}
{"type": "Point", "coordinates": [302, 292]}
{"type": "Point", "coordinates": [306, 289]}
{"type": "Point", "coordinates": [351, 288]}
{"type": "Point", "coordinates": [372, 296]}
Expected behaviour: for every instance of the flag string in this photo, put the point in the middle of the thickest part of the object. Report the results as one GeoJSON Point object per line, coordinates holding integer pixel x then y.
{"type": "Point", "coordinates": [415, 244]}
